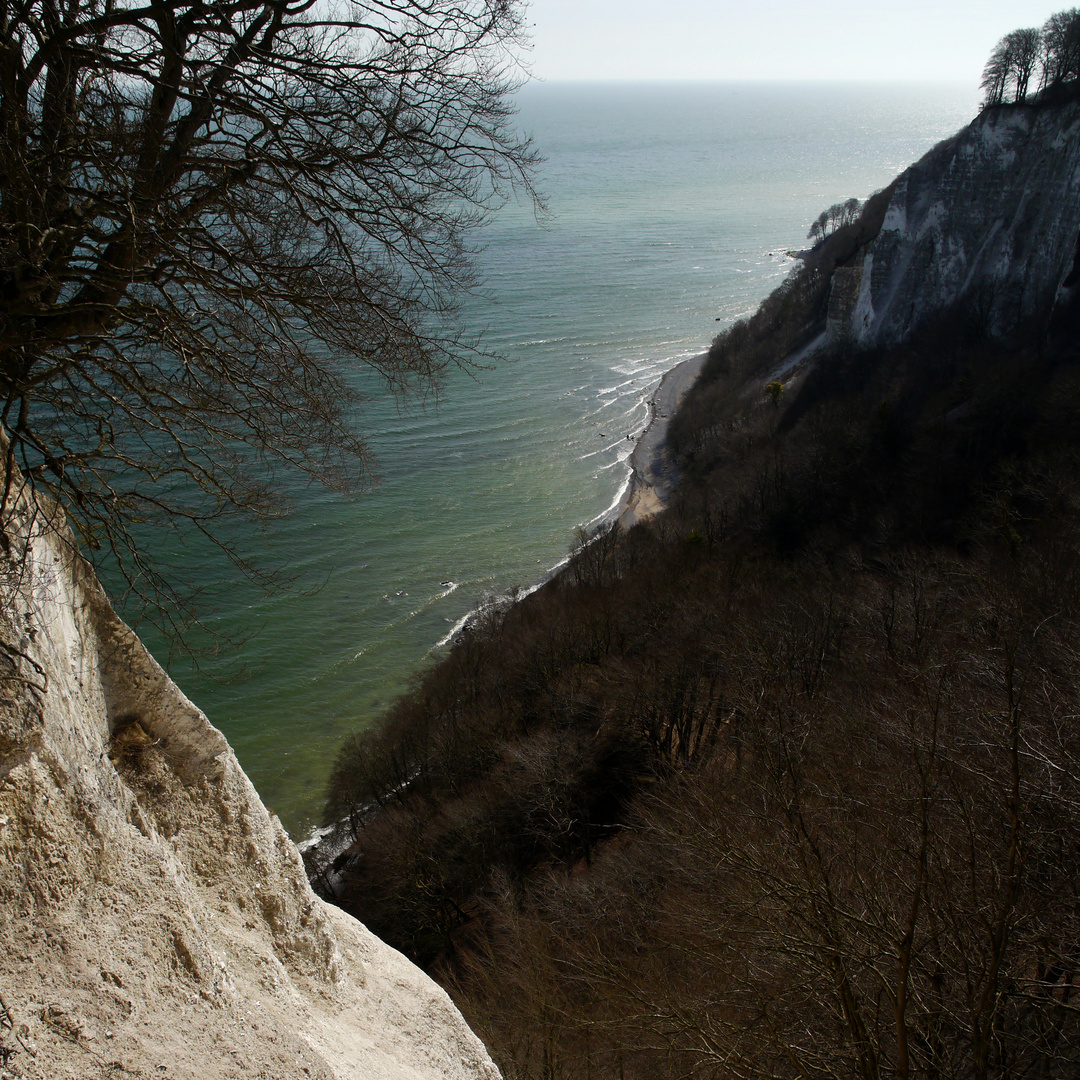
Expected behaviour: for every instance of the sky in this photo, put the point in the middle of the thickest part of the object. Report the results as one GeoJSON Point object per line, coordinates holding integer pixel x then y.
{"type": "Point", "coordinates": [772, 39]}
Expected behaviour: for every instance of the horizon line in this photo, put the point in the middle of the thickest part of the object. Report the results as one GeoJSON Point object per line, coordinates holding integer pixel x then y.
{"type": "Point", "coordinates": [738, 80]}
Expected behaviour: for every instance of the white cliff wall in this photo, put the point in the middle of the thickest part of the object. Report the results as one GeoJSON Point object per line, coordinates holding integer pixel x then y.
{"type": "Point", "coordinates": [155, 919]}
{"type": "Point", "coordinates": [989, 218]}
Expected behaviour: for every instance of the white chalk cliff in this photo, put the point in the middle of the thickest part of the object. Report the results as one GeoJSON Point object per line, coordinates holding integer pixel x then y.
{"type": "Point", "coordinates": [155, 919]}
{"type": "Point", "coordinates": [989, 220]}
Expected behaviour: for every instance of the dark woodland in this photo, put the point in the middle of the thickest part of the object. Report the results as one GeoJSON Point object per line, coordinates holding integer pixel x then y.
{"type": "Point", "coordinates": [784, 781]}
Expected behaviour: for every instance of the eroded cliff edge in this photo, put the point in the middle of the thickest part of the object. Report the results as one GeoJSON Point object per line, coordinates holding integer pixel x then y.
{"type": "Point", "coordinates": [155, 919]}
{"type": "Point", "coordinates": [990, 220]}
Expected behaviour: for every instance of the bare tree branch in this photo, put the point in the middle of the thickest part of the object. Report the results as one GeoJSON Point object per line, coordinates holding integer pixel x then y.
{"type": "Point", "coordinates": [211, 213]}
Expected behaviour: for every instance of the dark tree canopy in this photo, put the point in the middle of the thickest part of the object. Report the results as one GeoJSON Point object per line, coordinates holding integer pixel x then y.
{"type": "Point", "coordinates": [211, 211]}
{"type": "Point", "coordinates": [836, 217]}
{"type": "Point", "coordinates": [1052, 54]}
{"type": "Point", "coordinates": [1061, 43]}
{"type": "Point", "coordinates": [1011, 66]}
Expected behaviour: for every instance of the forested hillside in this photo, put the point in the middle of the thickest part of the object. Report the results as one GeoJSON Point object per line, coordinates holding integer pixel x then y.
{"type": "Point", "coordinates": [783, 782]}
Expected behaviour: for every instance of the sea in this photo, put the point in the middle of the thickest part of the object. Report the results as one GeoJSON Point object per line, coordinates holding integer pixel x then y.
{"type": "Point", "coordinates": [672, 210]}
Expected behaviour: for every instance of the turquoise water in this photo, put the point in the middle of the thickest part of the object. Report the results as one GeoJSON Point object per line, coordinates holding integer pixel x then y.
{"type": "Point", "coordinates": [673, 206]}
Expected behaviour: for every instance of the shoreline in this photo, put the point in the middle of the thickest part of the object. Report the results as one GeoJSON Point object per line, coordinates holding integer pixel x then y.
{"type": "Point", "coordinates": [645, 493]}
{"type": "Point", "coordinates": [652, 467]}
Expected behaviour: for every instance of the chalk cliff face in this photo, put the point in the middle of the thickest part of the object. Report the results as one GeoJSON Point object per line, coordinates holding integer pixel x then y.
{"type": "Point", "coordinates": [989, 219]}
{"type": "Point", "coordinates": [155, 919]}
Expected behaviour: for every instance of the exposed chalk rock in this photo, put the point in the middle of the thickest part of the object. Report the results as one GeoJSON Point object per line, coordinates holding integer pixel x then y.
{"type": "Point", "coordinates": [989, 219]}
{"type": "Point", "coordinates": [155, 919]}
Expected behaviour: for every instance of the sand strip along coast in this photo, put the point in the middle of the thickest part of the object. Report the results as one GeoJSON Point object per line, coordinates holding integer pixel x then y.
{"type": "Point", "coordinates": [652, 465]}
{"type": "Point", "coordinates": [652, 477]}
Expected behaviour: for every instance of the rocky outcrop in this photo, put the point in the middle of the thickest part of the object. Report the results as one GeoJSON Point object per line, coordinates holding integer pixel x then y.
{"type": "Point", "coordinates": [155, 919]}
{"type": "Point", "coordinates": [843, 294]}
{"type": "Point", "coordinates": [987, 224]}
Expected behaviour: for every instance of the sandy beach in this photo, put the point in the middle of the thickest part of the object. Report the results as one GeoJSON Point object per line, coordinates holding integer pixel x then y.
{"type": "Point", "coordinates": [653, 472]}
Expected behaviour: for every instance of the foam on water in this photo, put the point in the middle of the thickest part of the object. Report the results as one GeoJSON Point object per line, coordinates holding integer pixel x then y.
{"type": "Point", "coordinates": [673, 206]}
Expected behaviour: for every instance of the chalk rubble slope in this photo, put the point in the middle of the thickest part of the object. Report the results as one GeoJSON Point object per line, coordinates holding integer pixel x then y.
{"type": "Point", "coordinates": [155, 919]}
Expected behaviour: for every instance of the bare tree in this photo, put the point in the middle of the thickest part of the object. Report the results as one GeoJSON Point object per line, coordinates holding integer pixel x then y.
{"type": "Point", "coordinates": [995, 77]}
{"type": "Point", "coordinates": [836, 217]}
{"type": "Point", "coordinates": [1011, 66]}
{"type": "Point", "coordinates": [1027, 53]}
{"type": "Point", "coordinates": [1061, 42]}
{"type": "Point", "coordinates": [210, 213]}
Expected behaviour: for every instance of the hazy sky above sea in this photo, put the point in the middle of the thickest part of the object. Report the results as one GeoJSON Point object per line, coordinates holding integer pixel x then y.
{"type": "Point", "coordinates": [772, 39]}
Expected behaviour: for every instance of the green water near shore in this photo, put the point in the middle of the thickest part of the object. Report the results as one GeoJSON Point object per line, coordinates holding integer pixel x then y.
{"type": "Point", "coordinates": [673, 206]}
